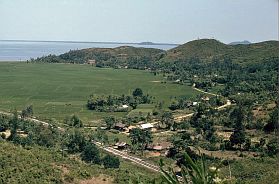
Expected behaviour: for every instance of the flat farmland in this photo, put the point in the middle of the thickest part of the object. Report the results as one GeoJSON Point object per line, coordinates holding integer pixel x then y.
{"type": "Point", "coordinates": [60, 90]}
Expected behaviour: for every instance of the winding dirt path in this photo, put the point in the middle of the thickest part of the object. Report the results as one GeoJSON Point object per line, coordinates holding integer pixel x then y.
{"type": "Point", "coordinates": [180, 118]}
{"type": "Point", "coordinates": [197, 89]}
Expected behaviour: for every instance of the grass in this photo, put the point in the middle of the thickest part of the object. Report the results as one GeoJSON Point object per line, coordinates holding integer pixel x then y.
{"type": "Point", "coordinates": [254, 170]}
{"type": "Point", "coordinates": [59, 90]}
{"type": "Point", "coordinates": [41, 165]}
{"type": "Point", "coordinates": [142, 109]}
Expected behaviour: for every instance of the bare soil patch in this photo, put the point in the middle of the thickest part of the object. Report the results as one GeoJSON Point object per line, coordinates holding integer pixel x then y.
{"type": "Point", "coordinates": [102, 179]}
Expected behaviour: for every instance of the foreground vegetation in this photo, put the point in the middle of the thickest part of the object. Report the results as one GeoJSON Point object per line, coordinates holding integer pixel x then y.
{"type": "Point", "coordinates": [36, 153]}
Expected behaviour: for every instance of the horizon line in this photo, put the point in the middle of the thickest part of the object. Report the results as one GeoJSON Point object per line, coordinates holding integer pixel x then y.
{"type": "Point", "coordinates": [105, 42]}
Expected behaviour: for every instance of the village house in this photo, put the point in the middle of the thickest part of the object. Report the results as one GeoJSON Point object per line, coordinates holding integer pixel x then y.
{"type": "Point", "coordinates": [205, 98]}
{"type": "Point", "coordinates": [146, 126]}
{"type": "Point", "coordinates": [195, 103]}
{"type": "Point", "coordinates": [120, 145]}
{"type": "Point", "coordinates": [177, 81]}
{"type": "Point", "coordinates": [125, 106]}
{"type": "Point", "coordinates": [91, 62]}
{"type": "Point", "coordinates": [161, 148]}
{"type": "Point", "coordinates": [120, 126]}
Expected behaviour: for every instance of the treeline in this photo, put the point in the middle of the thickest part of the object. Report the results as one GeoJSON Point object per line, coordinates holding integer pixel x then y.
{"type": "Point", "coordinates": [113, 103]}
{"type": "Point", "coordinates": [70, 141]}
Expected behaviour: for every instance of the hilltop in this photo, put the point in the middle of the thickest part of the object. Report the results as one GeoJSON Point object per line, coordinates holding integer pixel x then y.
{"type": "Point", "coordinates": [121, 54]}
{"type": "Point", "coordinates": [203, 49]}
{"type": "Point", "coordinates": [207, 49]}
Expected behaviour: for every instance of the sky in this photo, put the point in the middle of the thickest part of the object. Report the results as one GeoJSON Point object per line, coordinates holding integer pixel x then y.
{"type": "Point", "coordinates": [164, 21]}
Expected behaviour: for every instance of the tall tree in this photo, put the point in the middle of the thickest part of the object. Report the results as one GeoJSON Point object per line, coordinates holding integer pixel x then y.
{"type": "Point", "coordinates": [76, 142]}
{"type": "Point", "coordinates": [140, 138]}
{"type": "Point", "coordinates": [167, 120]}
{"type": "Point", "coordinates": [137, 92]}
{"type": "Point", "coordinates": [91, 154]}
{"type": "Point", "coordinates": [238, 135]}
{"type": "Point", "coordinates": [110, 122]}
{"type": "Point", "coordinates": [272, 124]}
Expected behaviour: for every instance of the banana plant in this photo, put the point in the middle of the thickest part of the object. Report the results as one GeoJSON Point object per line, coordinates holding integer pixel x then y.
{"type": "Point", "coordinates": [195, 172]}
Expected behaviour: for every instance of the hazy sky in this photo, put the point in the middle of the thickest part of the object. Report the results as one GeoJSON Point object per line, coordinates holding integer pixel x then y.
{"type": "Point", "coordinates": [172, 21]}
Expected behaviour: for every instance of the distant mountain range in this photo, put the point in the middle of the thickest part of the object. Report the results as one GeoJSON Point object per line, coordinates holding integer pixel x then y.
{"type": "Point", "coordinates": [120, 43]}
{"type": "Point", "coordinates": [244, 42]}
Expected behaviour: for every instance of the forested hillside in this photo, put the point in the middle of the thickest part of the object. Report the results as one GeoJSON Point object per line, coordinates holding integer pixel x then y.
{"type": "Point", "coordinates": [208, 49]}
{"type": "Point", "coordinates": [120, 56]}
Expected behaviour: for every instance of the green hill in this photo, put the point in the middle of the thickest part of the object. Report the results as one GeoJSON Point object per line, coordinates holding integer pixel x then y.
{"type": "Point", "coordinates": [203, 49]}
{"type": "Point", "coordinates": [103, 56]}
{"type": "Point", "coordinates": [254, 52]}
{"type": "Point", "coordinates": [207, 49]}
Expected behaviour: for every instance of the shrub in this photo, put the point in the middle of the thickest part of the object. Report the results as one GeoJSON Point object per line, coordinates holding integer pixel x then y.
{"type": "Point", "coordinates": [91, 154]}
{"type": "Point", "coordinates": [272, 147]}
{"type": "Point", "coordinates": [111, 162]}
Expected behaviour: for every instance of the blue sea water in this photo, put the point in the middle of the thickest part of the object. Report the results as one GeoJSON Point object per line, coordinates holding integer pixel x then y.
{"type": "Point", "coordinates": [24, 50]}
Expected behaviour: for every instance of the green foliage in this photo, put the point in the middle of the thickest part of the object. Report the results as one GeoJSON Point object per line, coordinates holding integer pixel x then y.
{"type": "Point", "coordinates": [110, 122]}
{"type": "Point", "coordinates": [113, 103]}
{"type": "Point", "coordinates": [75, 142]}
{"type": "Point", "coordinates": [238, 118]}
{"type": "Point", "coordinates": [111, 162]}
{"type": "Point", "coordinates": [272, 147]}
{"type": "Point", "coordinates": [272, 124]}
{"type": "Point", "coordinates": [252, 170]}
{"type": "Point", "coordinates": [74, 121]}
{"type": "Point", "coordinates": [137, 92]}
{"type": "Point", "coordinates": [181, 141]}
{"type": "Point", "coordinates": [90, 153]}
{"type": "Point", "coordinates": [27, 112]}
{"type": "Point", "coordinates": [101, 136]}
{"type": "Point", "coordinates": [44, 136]}
{"type": "Point", "coordinates": [167, 120]}
{"type": "Point", "coordinates": [4, 123]}
{"type": "Point", "coordinates": [192, 172]}
{"type": "Point", "coordinates": [237, 138]}
{"type": "Point", "coordinates": [140, 138]}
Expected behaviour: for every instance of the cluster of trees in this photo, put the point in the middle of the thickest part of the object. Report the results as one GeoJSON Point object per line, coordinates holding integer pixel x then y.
{"type": "Point", "coordinates": [204, 122]}
{"type": "Point", "coordinates": [140, 139]}
{"type": "Point", "coordinates": [27, 112]}
{"type": "Point", "coordinates": [259, 78]}
{"type": "Point", "coordinates": [272, 123]}
{"type": "Point", "coordinates": [73, 121]}
{"type": "Point", "coordinates": [180, 103]}
{"type": "Point", "coordinates": [113, 103]}
{"type": "Point", "coordinates": [71, 141]}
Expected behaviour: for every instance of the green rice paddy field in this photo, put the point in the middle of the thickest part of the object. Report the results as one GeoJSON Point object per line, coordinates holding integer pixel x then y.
{"type": "Point", "coordinates": [59, 90]}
